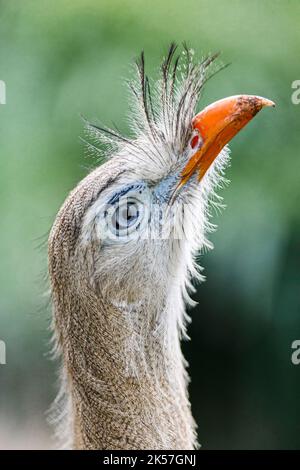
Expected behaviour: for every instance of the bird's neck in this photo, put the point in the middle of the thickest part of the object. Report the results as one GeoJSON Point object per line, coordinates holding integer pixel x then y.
{"type": "Point", "coordinates": [128, 380]}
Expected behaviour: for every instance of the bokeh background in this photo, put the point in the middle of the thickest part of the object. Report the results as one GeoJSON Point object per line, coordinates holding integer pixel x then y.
{"type": "Point", "coordinates": [63, 58]}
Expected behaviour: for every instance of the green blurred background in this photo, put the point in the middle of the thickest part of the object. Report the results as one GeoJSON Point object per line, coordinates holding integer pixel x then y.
{"type": "Point", "coordinates": [63, 58]}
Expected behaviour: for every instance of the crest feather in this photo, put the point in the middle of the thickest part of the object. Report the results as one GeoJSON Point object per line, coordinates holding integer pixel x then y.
{"type": "Point", "coordinates": [161, 111]}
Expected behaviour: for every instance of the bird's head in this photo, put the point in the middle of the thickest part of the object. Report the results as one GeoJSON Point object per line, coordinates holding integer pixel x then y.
{"type": "Point", "coordinates": [130, 230]}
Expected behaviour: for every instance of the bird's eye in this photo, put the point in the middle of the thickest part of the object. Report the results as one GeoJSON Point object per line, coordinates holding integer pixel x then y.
{"type": "Point", "coordinates": [126, 216]}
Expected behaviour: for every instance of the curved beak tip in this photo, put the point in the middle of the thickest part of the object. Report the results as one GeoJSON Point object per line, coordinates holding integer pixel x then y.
{"type": "Point", "coordinates": [246, 105]}
{"type": "Point", "coordinates": [266, 102]}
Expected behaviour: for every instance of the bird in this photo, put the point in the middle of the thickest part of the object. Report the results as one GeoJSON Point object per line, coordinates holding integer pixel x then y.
{"type": "Point", "coordinates": [122, 259]}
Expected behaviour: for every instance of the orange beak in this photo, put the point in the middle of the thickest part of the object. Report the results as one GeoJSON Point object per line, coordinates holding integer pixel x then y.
{"type": "Point", "coordinates": [215, 126]}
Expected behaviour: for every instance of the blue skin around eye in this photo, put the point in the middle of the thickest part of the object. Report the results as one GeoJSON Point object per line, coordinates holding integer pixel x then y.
{"type": "Point", "coordinates": [161, 192]}
{"type": "Point", "coordinates": [164, 188]}
{"type": "Point", "coordinates": [124, 191]}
